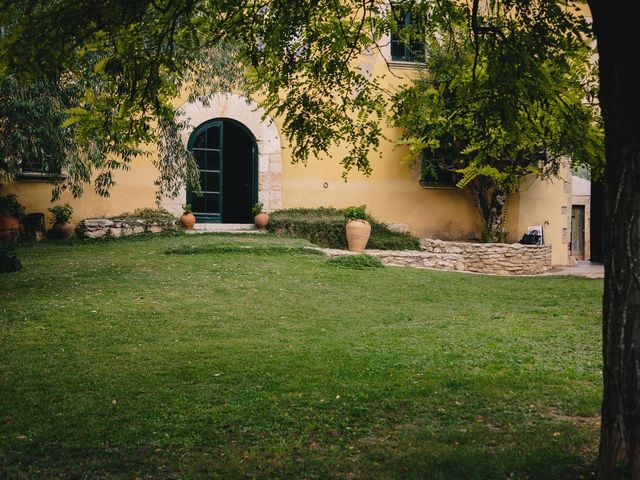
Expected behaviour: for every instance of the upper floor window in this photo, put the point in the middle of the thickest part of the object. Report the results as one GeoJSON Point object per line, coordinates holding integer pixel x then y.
{"type": "Point", "coordinates": [407, 43]}
{"type": "Point", "coordinates": [33, 166]}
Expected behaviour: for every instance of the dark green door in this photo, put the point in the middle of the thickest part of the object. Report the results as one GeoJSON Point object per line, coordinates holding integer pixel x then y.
{"type": "Point", "coordinates": [226, 154]}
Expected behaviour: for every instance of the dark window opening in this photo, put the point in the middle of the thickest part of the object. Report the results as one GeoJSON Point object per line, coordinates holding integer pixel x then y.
{"type": "Point", "coordinates": [407, 46]}
{"type": "Point", "coordinates": [437, 176]}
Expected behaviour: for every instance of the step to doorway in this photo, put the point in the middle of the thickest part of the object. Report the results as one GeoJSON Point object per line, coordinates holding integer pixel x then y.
{"type": "Point", "coordinates": [225, 228]}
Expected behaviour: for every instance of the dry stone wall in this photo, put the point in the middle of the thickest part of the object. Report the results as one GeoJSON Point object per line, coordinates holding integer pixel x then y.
{"type": "Point", "coordinates": [489, 258]}
{"type": "Point", "coordinates": [103, 227]}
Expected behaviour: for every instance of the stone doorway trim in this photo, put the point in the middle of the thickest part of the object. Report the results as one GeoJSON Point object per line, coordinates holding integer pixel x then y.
{"type": "Point", "coordinates": [254, 118]}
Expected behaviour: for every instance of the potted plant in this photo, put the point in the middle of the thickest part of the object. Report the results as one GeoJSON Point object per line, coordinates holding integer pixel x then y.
{"type": "Point", "coordinates": [358, 228]}
{"type": "Point", "coordinates": [187, 220]}
{"type": "Point", "coordinates": [260, 217]}
{"type": "Point", "coordinates": [11, 211]}
{"type": "Point", "coordinates": [62, 227]}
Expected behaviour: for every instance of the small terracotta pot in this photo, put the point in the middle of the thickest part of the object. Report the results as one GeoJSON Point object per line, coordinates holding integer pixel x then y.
{"type": "Point", "coordinates": [188, 220]}
{"type": "Point", "coordinates": [9, 229]}
{"type": "Point", "coordinates": [261, 220]}
{"type": "Point", "coordinates": [64, 230]}
{"type": "Point", "coordinates": [358, 233]}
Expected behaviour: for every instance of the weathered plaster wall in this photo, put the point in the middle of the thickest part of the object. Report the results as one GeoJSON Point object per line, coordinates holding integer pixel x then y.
{"type": "Point", "coordinates": [547, 203]}
{"type": "Point", "coordinates": [392, 193]}
{"type": "Point", "coordinates": [134, 189]}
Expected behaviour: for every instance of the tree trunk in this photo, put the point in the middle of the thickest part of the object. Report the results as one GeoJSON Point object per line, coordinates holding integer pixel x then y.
{"type": "Point", "coordinates": [618, 35]}
{"type": "Point", "coordinates": [490, 201]}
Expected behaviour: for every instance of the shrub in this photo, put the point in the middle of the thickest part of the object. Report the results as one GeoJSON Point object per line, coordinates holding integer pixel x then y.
{"type": "Point", "coordinates": [326, 227]}
{"type": "Point", "coordinates": [61, 213]}
{"type": "Point", "coordinates": [243, 249]}
{"type": "Point", "coordinates": [9, 205]}
{"type": "Point", "coordinates": [360, 262]}
{"type": "Point", "coordinates": [9, 261]}
{"type": "Point", "coordinates": [356, 212]}
{"type": "Point", "coordinates": [146, 214]}
{"type": "Point", "coordinates": [257, 209]}
{"type": "Point", "coordinates": [186, 208]}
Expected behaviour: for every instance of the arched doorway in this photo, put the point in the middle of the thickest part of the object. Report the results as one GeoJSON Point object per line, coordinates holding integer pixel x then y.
{"type": "Point", "coordinates": [226, 154]}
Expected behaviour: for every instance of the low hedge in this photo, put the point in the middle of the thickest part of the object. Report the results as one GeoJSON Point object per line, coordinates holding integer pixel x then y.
{"type": "Point", "coordinates": [325, 228]}
{"type": "Point", "coordinates": [9, 261]}
{"type": "Point", "coordinates": [146, 214]}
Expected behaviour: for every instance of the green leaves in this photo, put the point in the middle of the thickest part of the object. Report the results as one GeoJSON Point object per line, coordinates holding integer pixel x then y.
{"type": "Point", "coordinates": [519, 104]}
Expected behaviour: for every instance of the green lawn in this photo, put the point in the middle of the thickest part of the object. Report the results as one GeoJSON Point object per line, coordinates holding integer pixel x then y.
{"type": "Point", "coordinates": [250, 357]}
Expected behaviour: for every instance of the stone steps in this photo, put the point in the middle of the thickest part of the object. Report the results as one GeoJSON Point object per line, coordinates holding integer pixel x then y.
{"type": "Point", "coordinates": [225, 228]}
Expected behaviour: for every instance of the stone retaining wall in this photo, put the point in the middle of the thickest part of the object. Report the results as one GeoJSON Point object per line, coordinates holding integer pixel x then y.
{"type": "Point", "coordinates": [103, 227]}
{"type": "Point", "coordinates": [489, 258]}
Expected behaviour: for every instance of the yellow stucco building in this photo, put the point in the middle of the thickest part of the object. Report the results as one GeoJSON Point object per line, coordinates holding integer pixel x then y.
{"type": "Point", "coordinates": [243, 158]}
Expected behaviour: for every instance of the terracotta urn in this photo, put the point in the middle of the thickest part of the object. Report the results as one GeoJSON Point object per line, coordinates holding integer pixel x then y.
{"type": "Point", "coordinates": [9, 229]}
{"type": "Point", "coordinates": [358, 233]}
{"type": "Point", "coordinates": [64, 230]}
{"type": "Point", "coordinates": [261, 220]}
{"type": "Point", "coordinates": [187, 220]}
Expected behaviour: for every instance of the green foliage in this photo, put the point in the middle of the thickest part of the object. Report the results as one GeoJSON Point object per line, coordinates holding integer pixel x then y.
{"type": "Point", "coordinates": [514, 97]}
{"type": "Point", "coordinates": [257, 208]}
{"type": "Point", "coordinates": [186, 208]}
{"type": "Point", "coordinates": [361, 261]}
{"type": "Point", "coordinates": [356, 212]}
{"type": "Point", "coordinates": [61, 213]}
{"type": "Point", "coordinates": [384, 239]}
{"type": "Point", "coordinates": [240, 248]}
{"type": "Point", "coordinates": [325, 227]}
{"type": "Point", "coordinates": [147, 214]}
{"type": "Point", "coordinates": [298, 56]}
{"type": "Point", "coordinates": [9, 261]}
{"type": "Point", "coordinates": [9, 205]}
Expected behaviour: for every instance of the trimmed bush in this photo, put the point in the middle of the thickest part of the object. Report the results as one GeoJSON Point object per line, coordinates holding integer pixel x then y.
{"type": "Point", "coordinates": [359, 262]}
{"type": "Point", "coordinates": [9, 261]}
{"type": "Point", "coordinates": [326, 227]}
{"type": "Point", "coordinates": [236, 248]}
{"type": "Point", "coordinates": [146, 214]}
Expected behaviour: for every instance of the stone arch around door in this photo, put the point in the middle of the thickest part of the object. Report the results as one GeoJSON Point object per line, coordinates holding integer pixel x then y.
{"type": "Point", "coordinates": [247, 113]}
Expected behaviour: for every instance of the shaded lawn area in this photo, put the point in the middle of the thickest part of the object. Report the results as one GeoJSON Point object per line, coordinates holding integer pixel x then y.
{"type": "Point", "coordinates": [120, 361]}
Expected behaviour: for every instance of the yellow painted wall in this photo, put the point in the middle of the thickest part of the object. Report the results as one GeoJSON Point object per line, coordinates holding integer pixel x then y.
{"type": "Point", "coordinates": [547, 203]}
{"type": "Point", "coordinates": [134, 189]}
{"type": "Point", "coordinates": [392, 193]}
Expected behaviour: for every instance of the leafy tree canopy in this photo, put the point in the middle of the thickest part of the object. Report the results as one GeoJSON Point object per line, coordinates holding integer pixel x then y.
{"type": "Point", "coordinates": [129, 60]}
{"type": "Point", "coordinates": [506, 93]}
{"type": "Point", "coordinates": [511, 96]}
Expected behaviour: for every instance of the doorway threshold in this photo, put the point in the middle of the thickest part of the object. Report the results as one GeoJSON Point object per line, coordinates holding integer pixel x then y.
{"type": "Point", "coordinates": [225, 228]}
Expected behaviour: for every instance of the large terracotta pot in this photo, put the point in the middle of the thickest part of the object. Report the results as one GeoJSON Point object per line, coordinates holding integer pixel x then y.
{"type": "Point", "coordinates": [9, 229]}
{"type": "Point", "coordinates": [64, 230]}
{"type": "Point", "coordinates": [358, 233]}
{"type": "Point", "coordinates": [187, 220]}
{"type": "Point", "coordinates": [261, 220]}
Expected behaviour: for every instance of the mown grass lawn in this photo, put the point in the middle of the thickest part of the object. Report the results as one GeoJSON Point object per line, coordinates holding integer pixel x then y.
{"type": "Point", "coordinates": [120, 361]}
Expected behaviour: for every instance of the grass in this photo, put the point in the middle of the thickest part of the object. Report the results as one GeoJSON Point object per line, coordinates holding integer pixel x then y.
{"type": "Point", "coordinates": [251, 358]}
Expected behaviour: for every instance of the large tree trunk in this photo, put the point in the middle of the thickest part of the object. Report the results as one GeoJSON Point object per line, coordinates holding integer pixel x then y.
{"type": "Point", "coordinates": [490, 201]}
{"type": "Point", "coordinates": [618, 34]}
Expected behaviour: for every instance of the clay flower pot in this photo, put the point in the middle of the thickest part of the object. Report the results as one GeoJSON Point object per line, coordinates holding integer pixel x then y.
{"type": "Point", "coordinates": [261, 220]}
{"type": "Point", "coordinates": [358, 233]}
{"type": "Point", "coordinates": [9, 228]}
{"type": "Point", "coordinates": [64, 230]}
{"type": "Point", "coordinates": [187, 220]}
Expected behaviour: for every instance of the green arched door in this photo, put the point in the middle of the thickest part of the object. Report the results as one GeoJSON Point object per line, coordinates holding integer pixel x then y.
{"type": "Point", "coordinates": [226, 154]}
